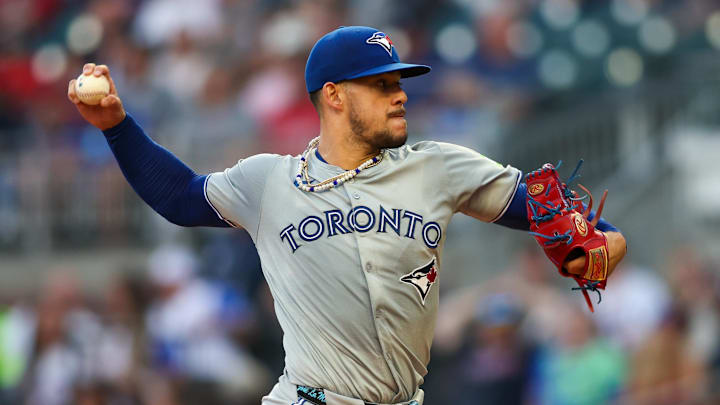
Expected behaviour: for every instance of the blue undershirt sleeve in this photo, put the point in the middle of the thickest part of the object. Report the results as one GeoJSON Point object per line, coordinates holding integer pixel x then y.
{"type": "Point", "coordinates": [516, 215]}
{"type": "Point", "coordinates": [164, 182]}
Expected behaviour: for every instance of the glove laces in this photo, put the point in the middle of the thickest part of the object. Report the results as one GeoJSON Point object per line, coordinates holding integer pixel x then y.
{"type": "Point", "coordinates": [586, 286]}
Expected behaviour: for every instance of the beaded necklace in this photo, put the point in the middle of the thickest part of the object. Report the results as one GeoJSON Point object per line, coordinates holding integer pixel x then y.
{"type": "Point", "coordinates": [302, 180]}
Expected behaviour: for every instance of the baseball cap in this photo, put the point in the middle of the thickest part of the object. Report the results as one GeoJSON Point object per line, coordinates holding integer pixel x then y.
{"type": "Point", "coordinates": [353, 52]}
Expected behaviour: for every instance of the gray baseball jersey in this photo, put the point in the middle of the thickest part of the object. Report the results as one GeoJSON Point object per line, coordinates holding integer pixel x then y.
{"type": "Point", "coordinates": [354, 271]}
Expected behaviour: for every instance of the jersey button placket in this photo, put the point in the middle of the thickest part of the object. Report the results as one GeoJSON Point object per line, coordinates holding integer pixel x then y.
{"type": "Point", "coordinates": [368, 267]}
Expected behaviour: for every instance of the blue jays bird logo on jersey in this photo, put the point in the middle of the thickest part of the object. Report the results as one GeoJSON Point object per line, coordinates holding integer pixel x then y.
{"type": "Point", "coordinates": [422, 278]}
{"type": "Point", "coordinates": [380, 38]}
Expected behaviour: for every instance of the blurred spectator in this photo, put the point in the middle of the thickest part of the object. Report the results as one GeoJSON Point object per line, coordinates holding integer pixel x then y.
{"type": "Point", "coordinates": [633, 306]}
{"type": "Point", "coordinates": [673, 364]}
{"type": "Point", "coordinates": [16, 334]}
{"type": "Point", "coordinates": [182, 69]}
{"type": "Point", "coordinates": [497, 360]}
{"type": "Point", "coordinates": [577, 366]}
{"type": "Point", "coordinates": [61, 354]}
{"type": "Point", "coordinates": [186, 331]}
{"type": "Point", "coordinates": [501, 320]}
{"type": "Point", "coordinates": [122, 352]}
{"type": "Point", "coordinates": [161, 21]}
{"type": "Point", "coordinates": [664, 371]}
{"type": "Point", "coordinates": [530, 279]}
{"type": "Point", "coordinates": [694, 282]}
{"type": "Point", "coordinates": [277, 99]}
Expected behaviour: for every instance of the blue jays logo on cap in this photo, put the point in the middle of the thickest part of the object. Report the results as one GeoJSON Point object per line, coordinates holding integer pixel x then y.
{"type": "Point", "coordinates": [352, 52]}
{"type": "Point", "coordinates": [380, 38]}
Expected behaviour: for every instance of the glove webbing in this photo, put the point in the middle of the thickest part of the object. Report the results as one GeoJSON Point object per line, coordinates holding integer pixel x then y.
{"type": "Point", "coordinates": [583, 285]}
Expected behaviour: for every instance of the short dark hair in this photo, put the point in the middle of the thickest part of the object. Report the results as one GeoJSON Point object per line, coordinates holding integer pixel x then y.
{"type": "Point", "coordinates": [315, 99]}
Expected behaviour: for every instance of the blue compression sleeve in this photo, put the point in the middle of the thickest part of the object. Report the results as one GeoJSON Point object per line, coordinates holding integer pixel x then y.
{"type": "Point", "coordinates": [164, 182]}
{"type": "Point", "coordinates": [516, 215]}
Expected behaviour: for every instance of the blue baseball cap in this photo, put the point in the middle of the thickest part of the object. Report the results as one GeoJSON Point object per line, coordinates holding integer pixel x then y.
{"type": "Point", "coordinates": [352, 52]}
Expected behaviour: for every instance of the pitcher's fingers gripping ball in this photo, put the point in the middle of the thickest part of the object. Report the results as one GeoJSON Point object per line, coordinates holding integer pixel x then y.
{"type": "Point", "coordinates": [96, 97]}
{"type": "Point", "coordinates": [560, 225]}
{"type": "Point", "coordinates": [90, 89]}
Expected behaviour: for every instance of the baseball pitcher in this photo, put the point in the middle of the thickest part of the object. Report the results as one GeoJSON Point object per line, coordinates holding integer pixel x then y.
{"type": "Point", "coordinates": [351, 231]}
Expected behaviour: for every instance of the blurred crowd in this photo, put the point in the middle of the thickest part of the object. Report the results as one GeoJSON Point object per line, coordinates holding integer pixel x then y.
{"type": "Point", "coordinates": [177, 332]}
{"type": "Point", "coordinates": [521, 338]}
{"type": "Point", "coordinates": [180, 332]}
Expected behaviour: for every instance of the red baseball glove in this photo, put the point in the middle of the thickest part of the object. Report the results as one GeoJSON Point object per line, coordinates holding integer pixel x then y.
{"type": "Point", "coordinates": [560, 225]}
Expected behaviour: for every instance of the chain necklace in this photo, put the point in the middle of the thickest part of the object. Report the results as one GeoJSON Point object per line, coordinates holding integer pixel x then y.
{"type": "Point", "coordinates": [302, 180]}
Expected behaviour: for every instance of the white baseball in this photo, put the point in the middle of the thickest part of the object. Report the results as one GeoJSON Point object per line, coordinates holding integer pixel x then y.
{"type": "Point", "coordinates": [91, 89]}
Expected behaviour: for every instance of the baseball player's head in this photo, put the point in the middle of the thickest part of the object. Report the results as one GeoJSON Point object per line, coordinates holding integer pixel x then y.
{"type": "Point", "coordinates": [353, 78]}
